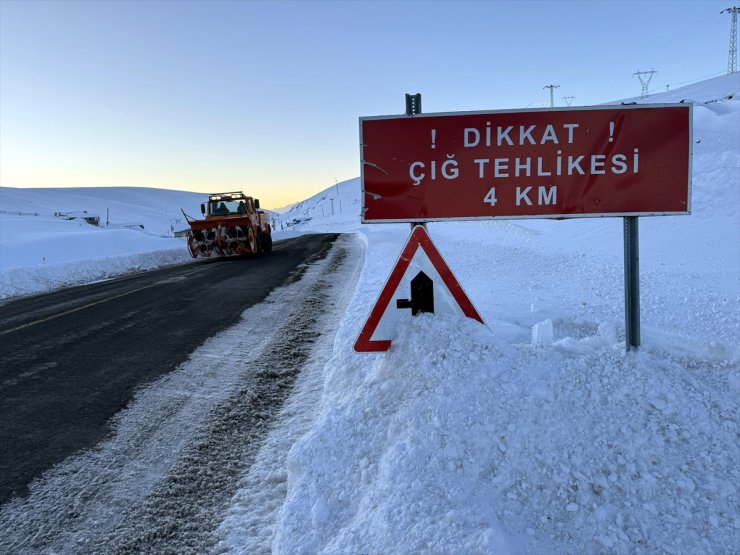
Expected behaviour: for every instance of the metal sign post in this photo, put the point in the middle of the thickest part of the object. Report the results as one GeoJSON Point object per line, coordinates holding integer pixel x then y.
{"type": "Point", "coordinates": [413, 108]}
{"type": "Point", "coordinates": [631, 282]}
{"type": "Point", "coordinates": [413, 104]}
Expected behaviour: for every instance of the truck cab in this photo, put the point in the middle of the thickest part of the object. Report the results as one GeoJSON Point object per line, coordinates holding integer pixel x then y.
{"type": "Point", "coordinates": [233, 224]}
{"type": "Point", "coordinates": [229, 204]}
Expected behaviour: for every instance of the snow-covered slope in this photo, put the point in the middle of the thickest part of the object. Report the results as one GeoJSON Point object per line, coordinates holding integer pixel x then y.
{"type": "Point", "coordinates": [709, 91]}
{"type": "Point", "coordinates": [336, 209]}
{"type": "Point", "coordinates": [466, 439]}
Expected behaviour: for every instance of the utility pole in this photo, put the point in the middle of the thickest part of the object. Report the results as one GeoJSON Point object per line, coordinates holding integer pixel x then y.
{"type": "Point", "coordinates": [732, 58]}
{"type": "Point", "coordinates": [552, 93]}
{"type": "Point", "coordinates": [568, 100]}
{"type": "Point", "coordinates": [644, 77]}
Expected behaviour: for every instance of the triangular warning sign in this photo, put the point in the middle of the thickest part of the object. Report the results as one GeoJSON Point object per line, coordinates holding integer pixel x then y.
{"type": "Point", "coordinates": [418, 255]}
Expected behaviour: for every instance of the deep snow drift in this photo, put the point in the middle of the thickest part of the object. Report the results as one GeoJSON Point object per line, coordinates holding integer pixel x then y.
{"type": "Point", "coordinates": [537, 433]}
{"type": "Point", "coordinates": [464, 439]}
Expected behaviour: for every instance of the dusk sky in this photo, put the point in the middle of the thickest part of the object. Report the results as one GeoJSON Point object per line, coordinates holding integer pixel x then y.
{"type": "Point", "coordinates": [265, 97]}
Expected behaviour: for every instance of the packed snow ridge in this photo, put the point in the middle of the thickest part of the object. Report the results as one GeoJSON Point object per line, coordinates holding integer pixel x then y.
{"type": "Point", "coordinates": [536, 433]}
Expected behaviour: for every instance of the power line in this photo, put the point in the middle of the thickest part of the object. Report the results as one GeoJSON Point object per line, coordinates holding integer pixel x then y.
{"type": "Point", "coordinates": [732, 56]}
{"type": "Point", "coordinates": [697, 79]}
{"type": "Point", "coordinates": [552, 93]}
{"type": "Point", "coordinates": [644, 81]}
{"type": "Point", "coordinates": [568, 100]}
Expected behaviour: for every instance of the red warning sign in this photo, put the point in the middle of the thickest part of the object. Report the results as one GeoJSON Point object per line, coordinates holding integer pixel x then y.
{"type": "Point", "coordinates": [422, 274]}
{"type": "Point", "coordinates": [545, 163]}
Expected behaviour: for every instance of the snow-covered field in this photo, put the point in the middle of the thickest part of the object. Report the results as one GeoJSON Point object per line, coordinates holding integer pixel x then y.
{"type": "Point", "coordinates": [473, 439]}
{"type": "Point", "coordinates": [40, 251]}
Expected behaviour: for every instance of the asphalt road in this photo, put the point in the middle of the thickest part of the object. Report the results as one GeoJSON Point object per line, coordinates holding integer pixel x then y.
{"type": "Point", "coordinates": [72, 359]}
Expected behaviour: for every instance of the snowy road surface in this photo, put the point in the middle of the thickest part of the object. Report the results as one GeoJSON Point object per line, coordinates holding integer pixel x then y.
{"type": "Point", "coordinates": [163, 478]}
{"type": "Point", "coordinates": [72, 359]}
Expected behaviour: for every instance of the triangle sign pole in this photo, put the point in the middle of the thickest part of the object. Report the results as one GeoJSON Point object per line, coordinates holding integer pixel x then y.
{"type": "Point", "coordinates": [419, 238]}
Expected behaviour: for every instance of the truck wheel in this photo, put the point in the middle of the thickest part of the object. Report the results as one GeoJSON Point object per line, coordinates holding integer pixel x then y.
{"type": "Point", "coordinates": [268, 243]}
{"type": "Point", "coordinates": [260, 242]}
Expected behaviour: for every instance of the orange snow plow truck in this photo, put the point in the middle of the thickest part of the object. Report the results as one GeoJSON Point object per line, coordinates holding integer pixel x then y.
{"type": "Point", "coordinates": [234, 224]}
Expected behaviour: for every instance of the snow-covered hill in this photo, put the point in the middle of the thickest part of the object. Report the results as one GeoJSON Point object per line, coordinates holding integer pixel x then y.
{"type": "Point", "coordinates": [40, 249]}
{"type": "Point", "coordinates": [472, 439]}
{"type": "Point", "coordinates": [709, 91]}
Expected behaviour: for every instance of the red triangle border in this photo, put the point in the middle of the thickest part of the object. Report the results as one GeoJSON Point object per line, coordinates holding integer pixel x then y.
{"type": "Point", "coordinates": [419, 238]}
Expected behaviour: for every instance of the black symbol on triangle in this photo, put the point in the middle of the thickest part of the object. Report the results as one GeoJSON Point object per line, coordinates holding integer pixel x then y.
{"type": "Point", "coordinates": [422, 295]}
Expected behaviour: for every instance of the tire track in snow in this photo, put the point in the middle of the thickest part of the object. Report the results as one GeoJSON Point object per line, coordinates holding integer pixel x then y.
{"type": "Point", "coordinates": [179, 515]}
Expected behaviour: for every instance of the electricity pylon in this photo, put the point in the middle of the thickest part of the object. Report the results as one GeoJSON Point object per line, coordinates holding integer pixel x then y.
{"type": "Point", "coordinates": [552, 95]}
{"type": "Point", "coordinates": [732, 58]}
{"type": "Point", "coordinates": [568, 100]}
{"type": "Point", "coordinates": [644, 81]}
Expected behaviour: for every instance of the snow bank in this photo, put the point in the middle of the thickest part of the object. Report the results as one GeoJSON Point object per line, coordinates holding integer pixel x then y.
{"type": "Point", "coordinates": [538, 433]}
{"type": "Point", "coordinates": [459, 442]}
{"type": "Point", "coordinates": [46, 277]}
